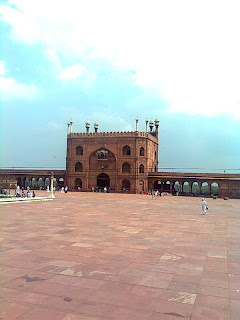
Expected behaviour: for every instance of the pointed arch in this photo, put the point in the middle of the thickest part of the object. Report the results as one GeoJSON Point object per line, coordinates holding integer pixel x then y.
{"type": "Point", "coordinates": [79, 151]}
{"type": "Point", "coordinates": [141, 168]}
{"type": "Point", "coordinates": [126, 151]}
{"type": "Point", "coordinates": [126, 167]}
{"type": "Point", "coordinates": [78, 167]}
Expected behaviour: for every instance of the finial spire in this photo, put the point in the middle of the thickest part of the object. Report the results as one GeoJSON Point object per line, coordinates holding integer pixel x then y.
{"type": "Point", "coordinates": [70, 126]}
{"type": "Point", "coordinates": [137, 123]}
{"type": "Point", "coordinates": [146, 124]}
{"type": "Point", "coordinates": [68, 129]}
{"type": "Point", "coordinates": [96, 126]}
{"type": "Point", "coordinates": [151, 125]}
{"type": "Point", "coordinates": [87, 124]}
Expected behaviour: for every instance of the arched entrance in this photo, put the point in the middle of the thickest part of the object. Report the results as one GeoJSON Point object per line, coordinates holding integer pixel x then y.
{"type": "Point", "coordinates": [78, 184]}
{"type": "Point", "coordinates": [103, 180]}
{"type": "Point", "coordinates": [157, 185]}
{"type": "Point", "coordinates": [214, 187]}
{"type": "Point", "coordinates": [204, 189]}
{"type": "Point", "coordinates": [126, 185]}
{"type": "Point", "coordinates": [60, 183]}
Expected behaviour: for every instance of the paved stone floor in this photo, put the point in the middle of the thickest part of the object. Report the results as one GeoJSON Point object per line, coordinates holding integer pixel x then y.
{"type": "Point", "coordinates": [92, 256]}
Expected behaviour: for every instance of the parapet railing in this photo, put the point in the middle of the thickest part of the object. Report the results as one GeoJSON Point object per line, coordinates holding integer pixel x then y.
{"type": "Point", "coordinates": [109, 134]}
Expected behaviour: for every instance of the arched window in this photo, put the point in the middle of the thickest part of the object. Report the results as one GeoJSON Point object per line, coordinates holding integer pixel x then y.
{"type": "Point", "coordinates": [79, 151]}
{"type": "Point", "coordinates": [126, 168]}
{"type": "Point", "coordinates": [102, 154]}
{"type": "Point", "coordinates": [126, 151]}
{"type": "Point", "coordinates": [141, 152]}
{"type": "Point", "coordinates": [141, 168]}
{"type": "Point", "coordinates": [78, 167]}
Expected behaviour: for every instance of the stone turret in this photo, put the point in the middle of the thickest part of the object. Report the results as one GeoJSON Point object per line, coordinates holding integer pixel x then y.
{"type": "Point", "coordinates": [87, 124]}
{"type": "Point", "coordinates": [151, 125]}
{"type": "Point", "coordinates": [95, 126]}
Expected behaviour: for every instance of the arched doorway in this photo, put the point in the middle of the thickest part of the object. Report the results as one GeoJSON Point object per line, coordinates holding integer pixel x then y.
{"type": "Point", "coordinates": [103, 180]}
{"type": "Point", "coordinates": [195, 188]}
{"type": "Point", "coordinates": [186, 187]}
{"type": "Point", "coordinates": [176, 187]}
{"type": "Point", "coordinates": [47, 182]}
{"type": "Point", "coordinates": [204, 189]}
{"type": "Point", "coordinates": [214, 187]}
{"type": "Point", "coordinates": [60, 183]}
{"type": "Point", "coordinates": [126, 185]}
{"type": "Point", "coordinates": [157, 185]}
{"type": "Point", "coordinates": [40, 183]}
{"type": "Point", "coordinates": [78, 184]}
{"type": "Point", "coordinates": [166, 186]}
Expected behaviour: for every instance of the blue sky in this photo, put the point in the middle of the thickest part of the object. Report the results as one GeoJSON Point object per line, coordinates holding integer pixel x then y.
{"type": "Point", "coordinates": [110, 61]}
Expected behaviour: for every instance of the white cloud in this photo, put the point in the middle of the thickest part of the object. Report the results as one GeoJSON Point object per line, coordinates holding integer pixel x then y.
{"type": "Point", "coordinates": [77, 71]}
{"type": "Point", "coordinates": [10, 89]}
{"type": "Point", "coordinates": [73, 72]}
{"type": "Point", "coordinates": [186, 50]}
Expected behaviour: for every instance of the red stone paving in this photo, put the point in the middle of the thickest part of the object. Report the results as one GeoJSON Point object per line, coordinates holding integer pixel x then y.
{"type": "Point", "coordinates": [92, 256]}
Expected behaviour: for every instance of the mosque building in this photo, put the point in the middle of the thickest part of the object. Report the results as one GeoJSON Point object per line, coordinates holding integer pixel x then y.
{"type": "Point", "coordinates": [119, 161]}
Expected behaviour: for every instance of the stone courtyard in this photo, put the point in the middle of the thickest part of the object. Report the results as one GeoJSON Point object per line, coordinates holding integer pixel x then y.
{"type": "Point", "coordinates": [96, 256]}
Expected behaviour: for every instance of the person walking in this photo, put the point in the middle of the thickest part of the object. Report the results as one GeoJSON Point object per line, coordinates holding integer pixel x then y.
{"type": "Point", "coordinates": [204, 206]}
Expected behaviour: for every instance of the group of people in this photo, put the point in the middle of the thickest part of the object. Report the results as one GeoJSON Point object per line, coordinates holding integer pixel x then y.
{"type": "Point", "coordinates": [155, 194]}
{"type": "Point", "coordinates": [29, 194]}
{"type": "Point", "coordinates": [64, 189]}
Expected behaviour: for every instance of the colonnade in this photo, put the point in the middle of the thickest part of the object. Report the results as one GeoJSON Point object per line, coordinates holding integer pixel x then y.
{"type": "Point", "coordinates": [186, 187]}
{"type": "Point", "coordinates": [39, 182]}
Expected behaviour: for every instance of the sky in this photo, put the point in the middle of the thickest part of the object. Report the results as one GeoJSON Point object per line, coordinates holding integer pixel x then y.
{"type": "Point", "coordinates": [112, 61]}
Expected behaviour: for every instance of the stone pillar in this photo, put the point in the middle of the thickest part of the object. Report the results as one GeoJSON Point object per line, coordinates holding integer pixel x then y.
{"type": "Point", "coordinates": [146, 121]}
{"type": "Point", "coordinates": [137, 123]}
{"type": "Point", "coordinates": [95, 126]}
{"type": "Point", "coordinates": [190, 187]}
{"type": "Point", "coordinates": [87, 124]}
{"type": "Point", "coordinates": [156, 125]}
{"type": "Point", "coordinates": [171, 186]}
{"type": "Point", "coordinates": [51, 189]}
{"type": "Point", "coordinates": [151, 125]}
{"type": "Point", "coordinates": [70, 126]}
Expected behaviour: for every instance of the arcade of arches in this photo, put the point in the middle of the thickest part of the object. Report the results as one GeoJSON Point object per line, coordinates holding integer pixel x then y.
{"type": "Point", "coordinates": [39, 182]}
{"type": "Point", "coordinates": [175, 183]}
{"type": "Point", "coordinates": [187, 187]}
{"type": "Point", "coordinates": [200, 185]}
{"type": "Point", "coordinates": [35, 179]}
